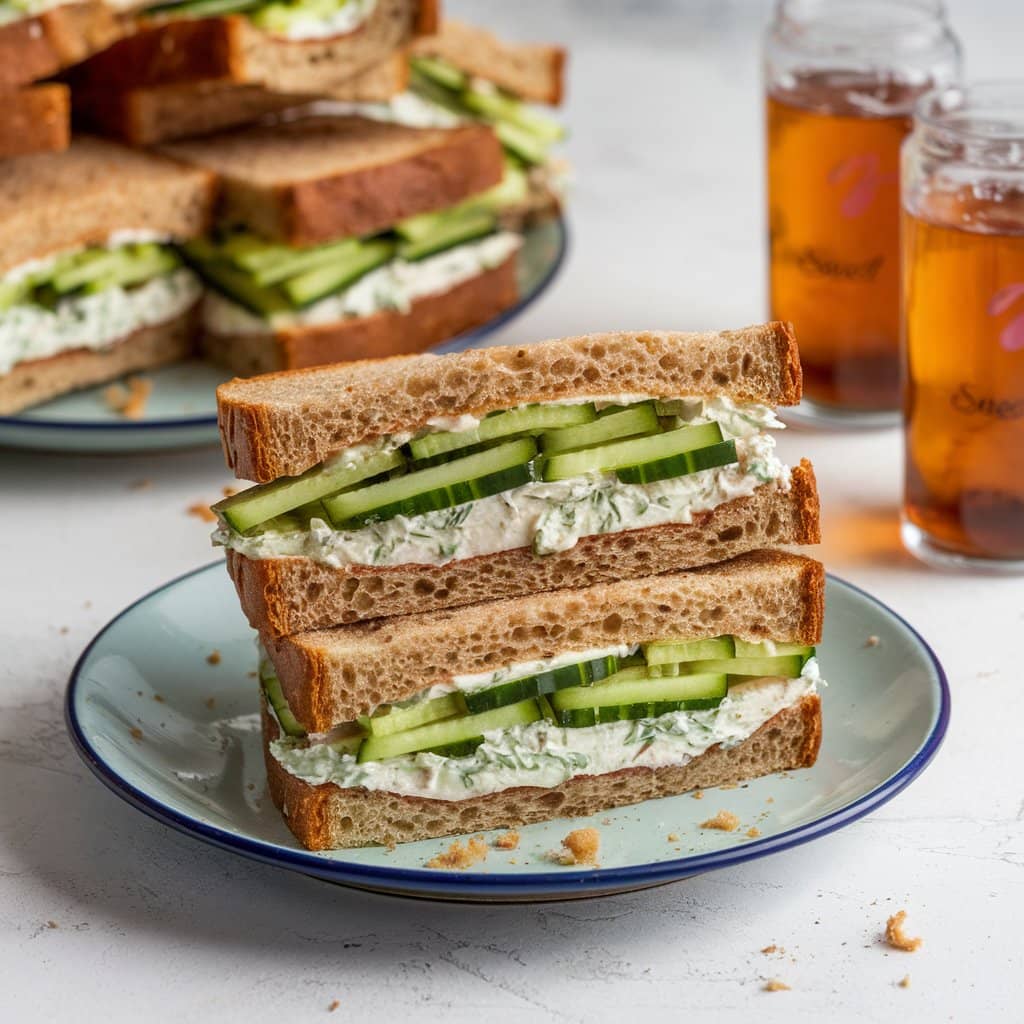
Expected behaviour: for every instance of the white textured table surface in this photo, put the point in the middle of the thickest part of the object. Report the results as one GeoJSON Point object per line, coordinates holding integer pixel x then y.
{"type": "Point", "coordinates": [154, 926]}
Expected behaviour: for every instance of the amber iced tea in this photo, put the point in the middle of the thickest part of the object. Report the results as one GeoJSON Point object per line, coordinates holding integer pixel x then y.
{"type": "Point", "coordinates": [833, 210]}
{"type": "Point", "coordinates": [964, 323]}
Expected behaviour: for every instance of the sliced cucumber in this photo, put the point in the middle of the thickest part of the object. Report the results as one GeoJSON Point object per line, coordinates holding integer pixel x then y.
{"type": "Point", "coordinates": [440, 71]}
{"type": "Point", "coordinates": [142, 265]}
{"type": "Point", "coordinates": [684, 408]}
{"type": "Point", "coordinates": [689, 692]}
{"type": "Point", "coordinates": [787, 665]}
{"type": "Point", "coordinates": [275, 695]}
{"type": "Point", "coordinates": [320, 282]}
{"type": "Point", "coordinates": [236, 284]}
{"type": "Point", "coordinates": [582, 674]}
{"type": "Point", "coordinates": [250, 252]}
{"type": "Point", "coordinates": [202, 8]}
{"type": "Point", "coordinates": [633, 453]}
{"type": "Point", "coordinates": [84, 267]}
{"type": "Point", "coordinates": [682, 464]}
{"type": "Point", "coordinates": [522, 143]}
{"type": "Point", "coordinates": [637, 419]}
{"type": "Point", "coordinates": [293, 262]}
{"type": "Point", "coordinates": [440, 735]}
{"type": "Point", "coordinates": [529, 419]}
{"type": "Point", "coordinates": [448, 234]}
{"type": "Point", "coordinates": [496, 106]}
{"type": "Point", "coordinates": [666, 652]}
{"type": "Point", "coordinates": [394, 719]}
{"type": "Point", "coordinates": [426, 490]}
{"type": "Point", "coordinates": [255, 506]}
{"type": "Point", "coordinates": [746, 649]}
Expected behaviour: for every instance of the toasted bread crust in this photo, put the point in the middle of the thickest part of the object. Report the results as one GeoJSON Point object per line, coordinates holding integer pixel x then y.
{"type": "Point", "coordinates": [329, 817]}
{"type": "Point", "coordinates": [281, 596]}
{"type": "Point", "coordinates": [334, 675]}
{"type": "Point", "coordinates": [429, 321]}
{"type": "Point", "coordinates": [38, 380]}
{"type": "Point", "coordinates": [284, 423]}
{"type": "Point", "coordinates": [35, 120]}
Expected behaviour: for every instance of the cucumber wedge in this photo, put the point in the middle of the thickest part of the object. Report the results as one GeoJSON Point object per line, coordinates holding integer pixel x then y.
{"type": "Point", "coordinates": [669, 652]}
{"type": "Point", "coordinates": [522, 143]}
{"type": "Point", "coordinates": [529, 419]}
{"type": "Point", "coordinates": [636, 452]}
{"type": "Point", "coordinates": [437, 487]}
{"type": "Point", "coordinates": [637, 419]}
{"type": "Point", "coordinates": [448, 234]}
{"type": "Point", "coordinates": [232, 282]}
{"type": "Point", "coordinates": [275, 696]}
{"type": "Point", "coordinates": [787, 665]}
{"type": "Point", "coordinates": [136, 268]}
{"type": "Point", "coordinates": [256, 505]}
{"type": "Point", "coordinates": [746, 649]}
{"type": "Point", "coordinates": [322, 281]}
{"type": "Point", "coordinates": [395, 719]}
{"type": "Point", "coordinates": [293, 262]}
{"type": "Point", "coordinates": [437, 736]}
{"type": "Point", "coordinates": [515, 690]}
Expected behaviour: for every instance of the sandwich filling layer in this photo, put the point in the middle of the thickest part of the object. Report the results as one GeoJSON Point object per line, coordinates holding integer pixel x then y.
{"type": "Point", "coordinates": [565, 495]}
{"type": "Point", "coordinates": [91, 297]}
{"type": "Point", "coordinates": [543, 747]}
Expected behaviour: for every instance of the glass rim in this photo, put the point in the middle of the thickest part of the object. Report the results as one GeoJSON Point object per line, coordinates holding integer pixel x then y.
{"type": "Point", "coordinates": [800, 13]}
{"type": "Point", "coordinates": [968, 110]}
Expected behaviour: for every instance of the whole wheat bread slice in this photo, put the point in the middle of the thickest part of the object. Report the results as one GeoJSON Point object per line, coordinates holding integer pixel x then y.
{"type": "Point", "coordinates": [40, 45]}
{"type": "Point", "coordinates": [316, 179]}
{"type": "Point", "coordinates": [328, 817]}
{"type": "Point", "coordinates": [284, 423]}
{"type": "Point", "coordinates": [529, 70]}
{"type": "Point", "coordinates": [231, 49]}
{"type": "Point", "coordinates": [163, 113]}
{"type": "Point", "coordinates": [53, 201]}
{"type": "Point", "coordinates": [39, 380]}
{"type": "Point", "coordinates": [291, 595]}
{"type": "Point", "coordinates": [332, 676]}
{"type": "Point", "coordinates": [35, 119]}
{"type": "Point", "coordinates": [428, 321]}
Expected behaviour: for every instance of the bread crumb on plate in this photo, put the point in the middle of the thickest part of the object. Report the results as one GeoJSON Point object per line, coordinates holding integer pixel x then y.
{"type": "Point", "coordinates": [774, 985]}
{"type": "Point", "coordinates": [460, 857]}
{"type": "Point", "coordinates": [673, 837]}
{"type": "Point", "coordinates": [507, 841]}
{"type": "Point", "coordinates": [753, 832]}
{"type": "Point", "coordinates": [333, 1005]}
{"type": "Point", "coordinates": [697, 794]}
{"type": "Point", "coordinates": [202, 511]}
{"type": "Point", "coordinates": [724, 821]}
{"type": "Point", "coordinates": [129, 398]}
{"type": "Point", "coordinates": [579, 847]}
{"type": "Point", "coordinates": [896, 937]}
{"type": "Point", "coordinates": [904, 982]}
{"type": "Point", "coordinates": [213, 658]}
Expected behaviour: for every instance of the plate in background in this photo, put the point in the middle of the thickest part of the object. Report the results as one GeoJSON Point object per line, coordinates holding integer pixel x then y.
{"type": "Point", "coordinates": [182, 412]}
{"type": "Point", "coordinates": [194, 759]}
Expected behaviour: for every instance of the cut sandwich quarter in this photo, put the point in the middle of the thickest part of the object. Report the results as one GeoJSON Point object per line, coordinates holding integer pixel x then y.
{"type": "Point", "coordinates": [557, 704]}
{"type": "Point", "coordinates": [342, 238]}
{"type": "Point", "coordinates": [93, 287]}
{"type": "Point", "coordinates": [504, 471]}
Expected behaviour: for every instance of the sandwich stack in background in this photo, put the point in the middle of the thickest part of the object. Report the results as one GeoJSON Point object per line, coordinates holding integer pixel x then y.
{"type": "Point", "coordinates": [509, 584]}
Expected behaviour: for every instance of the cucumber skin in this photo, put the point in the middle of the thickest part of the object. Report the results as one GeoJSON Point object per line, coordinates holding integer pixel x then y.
{"type": "Point", "coordinates": [668, 652]}
{"type": "Point", "coordinates": [581, 718]}
{"type": "Point", "coordinates": [541, 685]}
{"type": "Point", "coordinates": [721, 454]}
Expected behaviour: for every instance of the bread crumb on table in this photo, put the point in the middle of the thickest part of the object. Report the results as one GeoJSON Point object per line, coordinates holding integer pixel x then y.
{"type": "Point", "coordinates": [129, 398]}
{"type": "Point", "coordinates": [768, 950]}
{"type": "Point", "coordinates": [896, 937]}
{"type": "Point", "coordinates": [229, 492]}
{"type": "Point", "coordinates": [459, 856]}
{"type": "Point", "coordinates": [507, 841]}
{"type": "Point", "coordinates": [202, 511]}
{"type": "Point", "coordinates": [904, 982]}
{"type": "Point", "coordinates": [774, 985]}
{"type": "Point", "coordinates": [724, 821]}
{"type": "Point", "coordinates": [158, 698]}
{"type": "Point", "coordinates": [213, 658]}
{"type": "Point", "coordinates": [333, 1005]}
{"type": "Point", "coordinates": [52, 924]}
{"type": "Point", "coordinates": [579, 847]}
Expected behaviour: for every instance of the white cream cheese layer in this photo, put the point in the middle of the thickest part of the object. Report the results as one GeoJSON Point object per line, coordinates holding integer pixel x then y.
{"type": "Point", "coordinates": [93, 321]}
{"type": "Point", "coordinates": [394, 286]}
{"type": "Point", "coordinates": [547, 517]}
{"type": "Point", "coordinates": [313, 25]}
{"type": "Point", "coordinates": [544, 754]}
{"type": "Point", "coordinates": [407, 108]}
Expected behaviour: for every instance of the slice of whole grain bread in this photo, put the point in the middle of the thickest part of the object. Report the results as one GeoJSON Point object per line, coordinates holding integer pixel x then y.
{"type": "Point", "coordinates": [35, 119]}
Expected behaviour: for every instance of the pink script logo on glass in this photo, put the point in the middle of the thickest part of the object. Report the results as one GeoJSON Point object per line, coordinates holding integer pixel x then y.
{"type": "Point", "coordinates": [1011, 337]}
{"type": "Point", "coordinates": [865, 170]}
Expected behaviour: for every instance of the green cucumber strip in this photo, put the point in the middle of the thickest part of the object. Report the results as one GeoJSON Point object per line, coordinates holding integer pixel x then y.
{"type": "Point", "coordinates": [522, 143]}
{"type": "Point", "coordinates": [616, 691]}
{"type": "Point", "coordinates": [136, 269]}
{"type": "Point", "coordinates": [306, 288]}
{"type": "Point", "coordinates": [668, 652]}
{"type": "Point", "coordinates": [547, 712]}
{"type": "Point", "coordinates": [453, 483]}
{"type": "Point", "coordinates": [511, 692]}
{"type": "Point", "coordinates": [449, 234]}
{"type": "Point", "coordinates": [440, 71]}
{"type": "Point", "coordinates": [202, 8]}
{"type": "Point", "coordinates": [575, 718]}
{"type": "Point", "coordinates": [250, 252]}
{"type": "Point", "coordinates": [298, 261]}
{"type": "Point", "coordinates": [232, 282]}
{"type": "Point", "coordinates": [528, 419]}
{"type": "Point", "coordinates": [256, 505]}
{"type": "Point", "coordinates": [275, 695]}
{"type": "Point", "coordinates": [461, 749]}
{"type": "Point", "coordinates": [453, 730]}
{"type": "Point", "coordinates": [85, 267]}
{"type": "Point", "coordinates": [786, 665]}
{"type": "Point", "coordinates": [392, 718]}
{"type": "Point", "coordinates": [637, 419]}
{"type": "Point", "coordinates": [432, 91]}
{"type": "Point", "coordinates": [747, 649]}
{"type": "Point", "coordinates": [721, 454]}
{"type": "Point", "coordinates": [684, 408]}
{"type": "Point", "coordinates": [495, 106]}
{"type": "Point", "coordinates": [14, 292]}
{"type": "Point", "coordinates": [636, 451]}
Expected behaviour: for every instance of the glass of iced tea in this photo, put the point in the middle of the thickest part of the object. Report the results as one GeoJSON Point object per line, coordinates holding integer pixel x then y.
{"type": "Point", "coordinates": [842, 78]}
{"type": "Point", "coordinates": [963, 327]}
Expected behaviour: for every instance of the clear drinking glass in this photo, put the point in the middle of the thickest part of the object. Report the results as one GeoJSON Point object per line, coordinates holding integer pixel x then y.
{"type": "Point", "coordinates": [963, 327]}
{"type": "Point", "coordinates": [841, 80]}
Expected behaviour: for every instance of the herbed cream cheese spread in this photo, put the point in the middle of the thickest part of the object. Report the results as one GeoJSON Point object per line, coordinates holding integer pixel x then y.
{"type": "Point", "coordinates": [394, 286]}
{"type": "Point", "coordinates": [407, 108]}
{"type": "Point", "coordinates": [547, 517]}
{"type": "Point", "coordinates": [546, 755]}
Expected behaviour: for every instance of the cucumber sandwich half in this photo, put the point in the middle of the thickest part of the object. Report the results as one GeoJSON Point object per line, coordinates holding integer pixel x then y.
{"type": "Point", "coordinates": [426, 482]}
{"type": "Point", "coordinates": [552, 705]}
{"type": "Point", "coordinates": [342, 238]}
{"type": "Point", "coordinates": [92, 284]}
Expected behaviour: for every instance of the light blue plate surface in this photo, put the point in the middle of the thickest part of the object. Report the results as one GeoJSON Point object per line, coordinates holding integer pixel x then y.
{"type": "Point", "coordinates": [182, 410]}
{"type": "Point", "coordinates": [193, 759]}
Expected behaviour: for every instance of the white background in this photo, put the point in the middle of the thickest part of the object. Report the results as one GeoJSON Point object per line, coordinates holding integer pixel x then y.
{"type": "Point", "coordinates": [668, 225]}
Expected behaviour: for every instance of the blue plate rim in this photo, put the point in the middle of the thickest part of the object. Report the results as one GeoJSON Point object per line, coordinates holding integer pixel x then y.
{"type": "Point", "coordinates": [454, 885]}
{"type": "Point", "coordinates": [465, 340]}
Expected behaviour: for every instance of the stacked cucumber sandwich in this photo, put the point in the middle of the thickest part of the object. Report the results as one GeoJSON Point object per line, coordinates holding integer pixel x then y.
{"type": "Point", "coordinates": [478, 580]}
